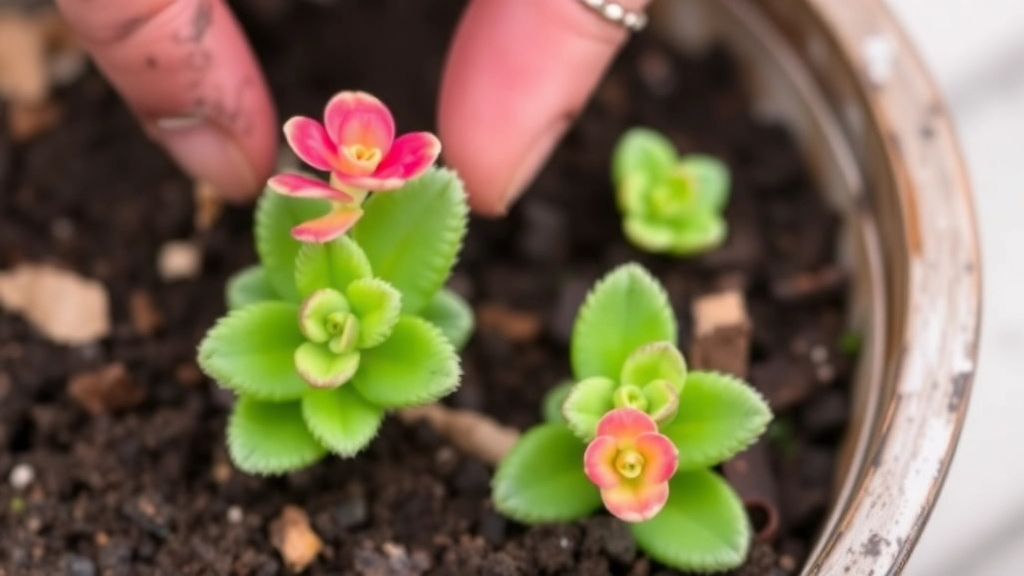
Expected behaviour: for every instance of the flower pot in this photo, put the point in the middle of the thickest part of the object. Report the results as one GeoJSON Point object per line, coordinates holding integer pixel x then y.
{"type": "Point", "coordinates": [112, 453]}
{"type": "Point", "coordinates": [847, 81]}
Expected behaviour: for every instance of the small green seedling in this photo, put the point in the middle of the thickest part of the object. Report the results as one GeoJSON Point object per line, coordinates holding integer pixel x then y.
{"type": "Point", "coordinates": [639, 433]}
{"type": "Point", "coordinates": [346, 316]}
{"type": "Point", "coordinates": [669, 204]}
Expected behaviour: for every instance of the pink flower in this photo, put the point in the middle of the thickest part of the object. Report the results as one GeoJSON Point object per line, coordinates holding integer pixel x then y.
{"type": "Point", "coordinates": [631, 463]}
{"type": "Point", "coordinates": [356, 143]}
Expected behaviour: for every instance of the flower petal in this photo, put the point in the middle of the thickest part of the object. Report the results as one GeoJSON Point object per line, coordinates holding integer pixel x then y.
{"type": "Point", "coordinates": [409, 156]}
{"type": "Point", "coordinates": [310, 142]}
{"type": "Point", "coordinates": [635, 501]}
{"type": "Point", "coordinates": [661, 457]}
{"type": "Point", "coordinates": [299, 186]}
{"type": "Point", "coordinates": [359, 118]}
{"type": "Point", "coordinates": [599, 462]}
{"type": "Point", "coordinates": [328, 227]}
{"type": "Point", "coordinates": [371, 183]}
{"type": "Point", "coordinates": [625, 424]}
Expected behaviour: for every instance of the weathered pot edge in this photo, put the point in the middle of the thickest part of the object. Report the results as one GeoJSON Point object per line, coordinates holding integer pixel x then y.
{"type": "Point", "coordinates": [915, 185]}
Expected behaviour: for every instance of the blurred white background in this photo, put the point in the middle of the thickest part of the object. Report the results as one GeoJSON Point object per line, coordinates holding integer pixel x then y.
{"type": "Point", "coordinates": [976, 50]}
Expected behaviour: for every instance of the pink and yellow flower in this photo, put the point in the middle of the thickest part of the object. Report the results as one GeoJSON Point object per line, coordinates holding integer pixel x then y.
{"type": "Point", "coordinates": [631, 463]}
{"type": "Point", "coordinates": [356, 144]}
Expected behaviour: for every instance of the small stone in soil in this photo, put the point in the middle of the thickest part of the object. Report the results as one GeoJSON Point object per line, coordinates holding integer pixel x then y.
{"type": "Point", "coordinates": [21, 476]}
{"type": "Point", "coordinates": [293, 537]}
{"type": "Point", "coordinates": [179, 260]}
{"type": "Point", "coordinates": [235, 515]}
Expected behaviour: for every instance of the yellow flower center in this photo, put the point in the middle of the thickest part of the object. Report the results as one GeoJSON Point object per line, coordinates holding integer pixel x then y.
{"type": "Point", "coordinates": [629, 463]}
{"type": "Point", "coordinates": [361, 160]}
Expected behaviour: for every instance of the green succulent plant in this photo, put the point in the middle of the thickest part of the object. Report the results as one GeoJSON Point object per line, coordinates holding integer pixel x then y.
{"type": "Point", "coordinates": [322, 339]}
{"type": "Point", "coordinates": [669, 204]}
{"type": "Point", "coordinates": [638, 432]}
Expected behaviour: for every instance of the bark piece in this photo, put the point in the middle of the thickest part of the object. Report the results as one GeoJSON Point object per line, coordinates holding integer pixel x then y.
{"type": "Point", "coordinates": [146, 319]}
{"type": "Point", "coordinates": [721, 333]}
{"type": "Point", "coordinates": [515, 325]}
{"type": "Point", "coordinates": [208, 205]}
{"type": "Point", "coordinates": [25, 121]}
{"type": "Point", "coordinates": [722, 343]}
{"type": "Point", "coordinates": [471, 432]}
{"type": "Point", "coordinates": [109, 389]}
{"type": "Point", "coordinates": [295, 539]}
{"type": "Point", "coordinates": [23, 72]}
{"type": "Point", "coordinates": [63, 306]}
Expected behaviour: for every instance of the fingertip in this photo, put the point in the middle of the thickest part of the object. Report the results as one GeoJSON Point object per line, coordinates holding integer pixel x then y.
{"type": "Point", "coordinates": [186, 70]}
{"type": "Point", "coordinates": [517, 73]}
{"type": "Point", "coordinates": [206, 152]}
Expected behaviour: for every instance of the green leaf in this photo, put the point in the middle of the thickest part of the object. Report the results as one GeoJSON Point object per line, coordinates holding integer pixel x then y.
{"type": "Point", "coordinates": [642, 150]}
{"type": "Point", "coordinates": [341, 419]}
{"type": "Point", "coordinates": [719, 416]}
{"type": "Point", "coordinates": [412, 235]}
{"type": "Point", "coordinates": [631, 194]}
{"type": "Point", "coordinates": [542, 478]}
{"type": "Point", "coordinates": [276, 215]}
{"type": "Point", "coordinates": [322, 368]}
{"type": "Point", "coordinates": [588, 401]}
{"type": "Point", "coordinates": [449, 312]}
{"type": "Point", "coordinates": [335, 264]}
{"type": "Point", "coordinates": [553, 402]}
{"type": "Point", "coordinates": [251, 351]}
{"type": "Point", "coordinates": [624, 311]}
{"type": "Point", "coordinates": [703, 527]}
{"type": "Point", "coordinates": [655, 361]}
{"type": "Point", "coordinates": [662, 401]}
{"type": "Point", "coordinates": [711, 180]}
{"type": "Point", "coordinates": [649, 235]}
{"type": "Point", "coordinates": [249, 286]}
{"type": "Point", "coordinates": [270, 438]}
{"type": "Point", "coordinates": [321, 313]}
{"type": "Point", "coordinates": [377, 305]}
{"type": "Point", "coordinates": [699, 232]}
{"type": "Point", "coordinates": [414, 366]}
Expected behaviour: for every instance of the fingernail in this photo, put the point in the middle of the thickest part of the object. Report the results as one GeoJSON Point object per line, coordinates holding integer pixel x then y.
{"type": "Point", "coordinates": [208, 153]}
{"type": "Point", "coordinates": [531, 164]}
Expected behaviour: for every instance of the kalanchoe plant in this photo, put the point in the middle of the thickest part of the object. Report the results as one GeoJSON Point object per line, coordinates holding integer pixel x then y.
{"type": "Point", "coordinates": [323, 337]}
{"type": "Point", "coordinates": [639, 433]}
{"type": "Point", "coordinates": [669, 204]}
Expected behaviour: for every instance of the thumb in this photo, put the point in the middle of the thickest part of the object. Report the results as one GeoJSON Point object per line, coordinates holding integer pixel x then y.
{"type": "Point", "coordinates": [518, 73]}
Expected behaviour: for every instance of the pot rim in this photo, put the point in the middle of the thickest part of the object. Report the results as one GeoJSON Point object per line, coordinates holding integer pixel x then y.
{"type": "Point", "coordinates": [932, 359]}
{"type": "Point", "coordinates": [881, 144]}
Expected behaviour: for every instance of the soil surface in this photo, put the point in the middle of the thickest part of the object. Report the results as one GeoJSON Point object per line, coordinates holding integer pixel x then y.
{"type": "Point", "coordinates": [147, 488]}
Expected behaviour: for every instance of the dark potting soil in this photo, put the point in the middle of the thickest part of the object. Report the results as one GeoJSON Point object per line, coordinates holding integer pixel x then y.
{"type": "Point", "coordinates": [149, 489]}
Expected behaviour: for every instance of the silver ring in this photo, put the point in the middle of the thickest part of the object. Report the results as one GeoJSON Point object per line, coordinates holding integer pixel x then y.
{"type": "Point", "coordinates": [616, 14]}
